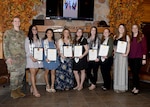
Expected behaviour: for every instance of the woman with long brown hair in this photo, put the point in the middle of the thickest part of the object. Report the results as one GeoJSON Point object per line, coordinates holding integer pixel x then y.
{"type": "Point", "coordinates": [49, 66]}
{"type": "Point", "coordinates": [121, 61]}
{"type": "Point", "coordinates": [32, 41]}
{"type": "Point", "coordinates": [92, 69]}
{"type": "Point", "coordinates": [80, 63]}
{"type": "Point", "coordinates": [137, 55]}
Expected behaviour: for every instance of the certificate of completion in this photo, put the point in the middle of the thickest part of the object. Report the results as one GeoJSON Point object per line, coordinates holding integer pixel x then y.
{"type": "Point", "coordinates": [77, 51]}
{"type": "Point", "coordinates": [51, 54]}
{"type": "Point", "coordinates": [38, 53]}
{"type": "Point", "coordinates": [103, 51]}
{"type": "Point", "coordinates": [92, 54]}
{"type": "Point", "coordinates": [67, 51]}
{"type": "Point", "coordinates": [121, 47]}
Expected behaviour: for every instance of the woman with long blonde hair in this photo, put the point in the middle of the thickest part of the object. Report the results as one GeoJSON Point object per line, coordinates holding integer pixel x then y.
{"type": "Point", "coordinates": [64, 73]}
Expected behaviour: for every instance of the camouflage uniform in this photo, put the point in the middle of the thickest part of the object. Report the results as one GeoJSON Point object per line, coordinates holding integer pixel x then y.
{"type": "Point", "coordinates": [14, 48]}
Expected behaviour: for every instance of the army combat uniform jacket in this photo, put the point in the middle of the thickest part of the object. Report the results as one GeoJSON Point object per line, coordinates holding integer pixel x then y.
{"type": "Point", "coordinates": [14, 48]}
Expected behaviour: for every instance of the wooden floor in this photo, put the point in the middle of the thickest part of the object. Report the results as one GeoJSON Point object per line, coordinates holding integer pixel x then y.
{"type": "Point", "coordinates": [83, 98]}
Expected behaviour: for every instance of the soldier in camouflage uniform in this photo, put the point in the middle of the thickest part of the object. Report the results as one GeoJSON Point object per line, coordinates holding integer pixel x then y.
{"type": "Point", "coordinates": [14, 52]}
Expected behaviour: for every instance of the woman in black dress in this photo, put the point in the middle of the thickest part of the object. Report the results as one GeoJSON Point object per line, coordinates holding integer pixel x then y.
{"type": "Point", "coordinates": [80, 63]}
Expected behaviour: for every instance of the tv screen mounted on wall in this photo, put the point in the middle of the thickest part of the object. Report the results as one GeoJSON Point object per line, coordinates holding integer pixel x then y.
{"type": "Point", "coordinates": [70, 9]}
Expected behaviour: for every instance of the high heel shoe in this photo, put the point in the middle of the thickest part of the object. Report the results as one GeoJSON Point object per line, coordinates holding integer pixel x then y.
{"type": "Point", "coordinates": [48, 88]}
{"type": "Point", "coordinates": [133, 90]}
{"type": "Point", "coordinates": [92, 87]}
{"type": "Point", "coordinates": [80, 88]}
{"type": "Point", "coordinates": [136, 92]}
{"type": "Point", "coordinates": [52, 89]}
{"type": "Point", "coordinates": [36, 94]}
{"type": "Point", "coordinates": [75, 88]}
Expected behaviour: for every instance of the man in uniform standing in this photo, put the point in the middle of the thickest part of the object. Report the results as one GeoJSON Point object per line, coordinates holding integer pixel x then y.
{"type": "Point", "coordinates": [14, 53]}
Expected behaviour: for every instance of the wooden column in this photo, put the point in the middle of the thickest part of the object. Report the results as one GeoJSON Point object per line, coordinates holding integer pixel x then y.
{"type": "Point", "coordinates": [1, 43]}
{"type": "Point", "coordinates": [146, 7]}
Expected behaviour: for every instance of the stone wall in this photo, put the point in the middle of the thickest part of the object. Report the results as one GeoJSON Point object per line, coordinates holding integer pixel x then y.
{"type": "Point", "coordinates": [101, 10]}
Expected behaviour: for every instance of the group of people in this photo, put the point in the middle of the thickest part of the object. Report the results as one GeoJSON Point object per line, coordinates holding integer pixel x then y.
{"type": "Point", "coordinates": [71, 72]}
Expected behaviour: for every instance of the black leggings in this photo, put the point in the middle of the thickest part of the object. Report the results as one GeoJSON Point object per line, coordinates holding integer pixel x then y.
{"type": "Point", "coordinates": [105, 70]}
{"type": "Point", "coordinates": [135, 66]}
{"type": "Point", "coordinates": [92, 71]}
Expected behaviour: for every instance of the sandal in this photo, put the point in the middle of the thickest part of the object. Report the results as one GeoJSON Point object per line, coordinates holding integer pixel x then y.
{"type": "Point", "coordinates": [103, 88]}
{"type": "Point", "coordinates": [92, 87]}
{"type": "Point", "coordinates": [80, 88]}
{"type": "Point", "coordinates": [52, 89]}
{"type": "Point", "coordinates": [75, 88]}
{"type": "Point", "coordinates": [133, 90]}
{"type": "Point", "coordinates": [36, 94]}
{"type": "Point", "coordinates": [48, 88]}
{"type": "Point", "coordinates": [136, 92]}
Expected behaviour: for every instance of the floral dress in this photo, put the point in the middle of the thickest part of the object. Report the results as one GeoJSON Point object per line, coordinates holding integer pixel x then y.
{"type": "Point", "coordinates": [64, 74]}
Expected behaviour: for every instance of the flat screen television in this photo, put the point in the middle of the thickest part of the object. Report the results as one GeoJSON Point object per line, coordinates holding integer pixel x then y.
{"type": "Point", "coordinates": [70, 9]}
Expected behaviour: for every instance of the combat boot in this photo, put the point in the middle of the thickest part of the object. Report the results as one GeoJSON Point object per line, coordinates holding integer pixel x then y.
{"type": "Point", "coordinates": [14, 94]}
{"type": "Point", "coordinates": [20, 93]}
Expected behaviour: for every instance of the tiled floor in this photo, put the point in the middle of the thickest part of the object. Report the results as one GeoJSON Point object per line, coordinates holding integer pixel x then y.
{"type": "Point", "coordinates": [83, 98]}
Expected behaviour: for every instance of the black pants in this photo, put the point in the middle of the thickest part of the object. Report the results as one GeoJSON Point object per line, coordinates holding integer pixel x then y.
{"type": "Point", "coordinates": [105, 70]}
{"type": "Point", "coordinates": [135, 66]}
{"type": "Point", "coordinates": [92, 71]}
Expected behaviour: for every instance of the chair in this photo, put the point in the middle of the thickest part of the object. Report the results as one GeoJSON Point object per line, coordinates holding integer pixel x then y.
{"type": "Point", "coordinates": [4, 75]}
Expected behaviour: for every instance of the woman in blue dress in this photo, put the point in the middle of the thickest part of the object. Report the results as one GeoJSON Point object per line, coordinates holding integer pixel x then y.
{"type": "Point", "coordinates": [64, 74]}
{"type": "Point", "coordinates": [49, 42]}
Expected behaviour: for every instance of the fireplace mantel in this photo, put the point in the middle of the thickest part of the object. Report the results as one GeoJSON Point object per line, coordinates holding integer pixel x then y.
{"type": "Point", "coordinates": [42, 28]}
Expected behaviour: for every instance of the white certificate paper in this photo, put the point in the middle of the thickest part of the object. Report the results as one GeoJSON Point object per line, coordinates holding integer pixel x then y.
{"type": "Point", "coordinates": [103, 51]}
{"type": "Point", "coordinates": [38, 53]}
{"type": "Point", "coordinates": [77, 51]}
{"type": "Point", "coordinates": [92, 54]}
{"type": "Point", "coordinates": [67, 51]}
{"type": "Point", "coordinates": [51, 54]}
{"type": "Point", "coordinates": [121, 47]}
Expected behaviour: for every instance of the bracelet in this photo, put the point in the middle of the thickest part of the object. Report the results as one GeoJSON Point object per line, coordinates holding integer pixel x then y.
{"type": "Point", "coordinates": [143, 59]}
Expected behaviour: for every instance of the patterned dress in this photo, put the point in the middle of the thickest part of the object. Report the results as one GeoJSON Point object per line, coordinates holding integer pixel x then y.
{"type": "Point", "coordinates": [64, 75]}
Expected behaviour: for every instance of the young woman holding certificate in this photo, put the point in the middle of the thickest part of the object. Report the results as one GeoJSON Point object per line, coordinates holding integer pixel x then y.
{"type": "Point", "coordinates": [31, 42]}
{"type": "Point", "coordinates": [137, 56]}
{"type": "Point", "coordinates": [106, 61]}
{"type": "Point", "coordinates": [80, 60]}
{"type": "Point", "coordinates": [121, 59]}
{"type": "Point", "coordinates": [64, 74]}
{"type": "Point", "coordinates": [51, 61]}
{"type": "Point", "coordinates": [93, 64]}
